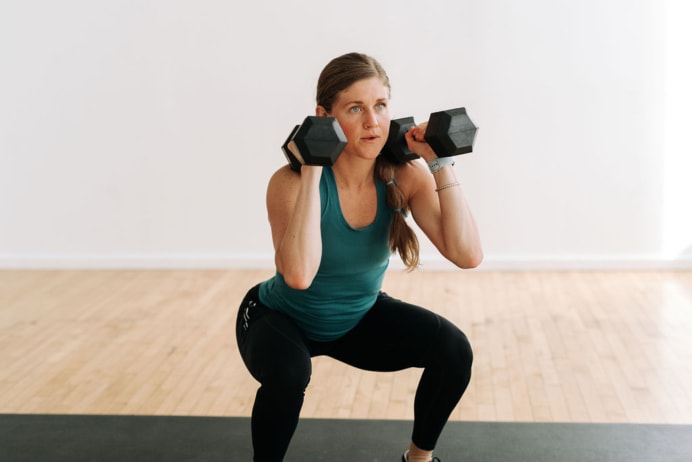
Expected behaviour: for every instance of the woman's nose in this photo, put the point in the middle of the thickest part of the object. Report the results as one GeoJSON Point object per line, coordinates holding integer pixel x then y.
{"type": "Point", "coordinates": [371, 120]}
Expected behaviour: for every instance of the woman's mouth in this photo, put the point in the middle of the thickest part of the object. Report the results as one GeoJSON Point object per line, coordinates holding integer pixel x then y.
{"type": "Point", "coordinates": [370, 138]}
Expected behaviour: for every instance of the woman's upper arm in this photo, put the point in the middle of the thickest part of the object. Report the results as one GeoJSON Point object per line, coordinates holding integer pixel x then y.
{"type": "Point", "coordinates": [280, 200]}
{"type": "Point", "coordinates": [453, 233]}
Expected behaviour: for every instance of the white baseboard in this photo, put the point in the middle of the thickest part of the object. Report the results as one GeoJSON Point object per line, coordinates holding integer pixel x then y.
{"type": "Point", "coordinates": [595, 263]}
{"type": "Point", "coordinates": [266, 261]}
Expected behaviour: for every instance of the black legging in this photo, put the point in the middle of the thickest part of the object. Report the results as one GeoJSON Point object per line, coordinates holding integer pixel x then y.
{"type": "Point", "coordinates": [392, 336]}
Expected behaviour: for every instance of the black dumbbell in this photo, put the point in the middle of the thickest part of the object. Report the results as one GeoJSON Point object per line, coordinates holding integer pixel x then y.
{"type": "Point", "coordinates": [317, 141]}
{"type": "Point", "coordinates": [449, 133]}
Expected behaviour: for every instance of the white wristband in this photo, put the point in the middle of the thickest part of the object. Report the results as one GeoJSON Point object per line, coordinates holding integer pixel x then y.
{"type": "Point", "coordinates": [439, 162]}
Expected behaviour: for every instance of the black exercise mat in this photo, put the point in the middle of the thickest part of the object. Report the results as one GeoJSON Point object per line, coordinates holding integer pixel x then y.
{"type": "Point", "coordinates": [95, 438]}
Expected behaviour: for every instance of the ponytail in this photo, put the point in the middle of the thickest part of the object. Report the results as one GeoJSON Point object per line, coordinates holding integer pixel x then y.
{"type": "Point", "coordinates": [402, 239]}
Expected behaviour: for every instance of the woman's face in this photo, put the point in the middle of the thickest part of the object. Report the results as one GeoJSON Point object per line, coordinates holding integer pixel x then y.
{"type": "Point", "coordinates": [363, 113]}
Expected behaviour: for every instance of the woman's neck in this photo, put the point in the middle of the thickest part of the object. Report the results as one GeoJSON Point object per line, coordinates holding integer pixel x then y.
{"type": "Point", "coordinates": [354, 173]}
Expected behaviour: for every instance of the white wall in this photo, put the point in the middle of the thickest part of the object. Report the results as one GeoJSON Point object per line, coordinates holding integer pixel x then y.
{"type": "Point", "coordinates": [142, 133]}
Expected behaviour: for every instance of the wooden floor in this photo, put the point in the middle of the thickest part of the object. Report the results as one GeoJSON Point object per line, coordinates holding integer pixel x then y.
{"type": "Point", "coordinates": [563, 346]}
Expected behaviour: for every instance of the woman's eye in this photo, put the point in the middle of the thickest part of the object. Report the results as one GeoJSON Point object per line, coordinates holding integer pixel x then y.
{"type": "Point", "coordinates": [381, 106]}
{"type": "Point", "coordinates": [355, 109]}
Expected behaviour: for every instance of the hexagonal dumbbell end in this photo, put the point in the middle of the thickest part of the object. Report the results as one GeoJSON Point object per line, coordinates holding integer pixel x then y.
{"type": "Point", "coordinates": [318, 141]}
{"type": "Point", "coordinates": [395, 148]}
{"type": "Point", "coordinates": [450, 132]}
{"type": "Point", "coordinates": [293, 162]}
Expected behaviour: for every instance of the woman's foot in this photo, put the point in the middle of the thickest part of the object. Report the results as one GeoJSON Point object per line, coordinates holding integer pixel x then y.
{"type": "Point", "coordinates": [427, 457]}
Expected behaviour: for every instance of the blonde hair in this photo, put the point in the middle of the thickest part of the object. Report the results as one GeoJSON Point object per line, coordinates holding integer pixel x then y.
{"type": "Point", "coordinates": [339, 74]}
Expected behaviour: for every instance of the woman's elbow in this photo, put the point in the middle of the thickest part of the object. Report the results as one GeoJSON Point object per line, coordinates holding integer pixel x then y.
{"type": "Point", "coordinates": [297, 282]}
{"type": "Point", "coordinates": [297, 275]}
{"type": "Point", "coordinates": [473, 261]}
{"type": "Point", "coordinates": [468, 259]}
{"type": "Point", "coordinates": [296, 278]}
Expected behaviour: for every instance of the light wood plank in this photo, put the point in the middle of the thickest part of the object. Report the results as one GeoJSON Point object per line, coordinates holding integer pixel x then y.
{"type": "Point", "coordinates": [548, 346]}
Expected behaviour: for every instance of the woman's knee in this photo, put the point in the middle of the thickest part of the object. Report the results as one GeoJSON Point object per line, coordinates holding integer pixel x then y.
{"type": "Point", "coordinates": [288, 373]}
{"type": "Point", "coordinates": [454, 350]}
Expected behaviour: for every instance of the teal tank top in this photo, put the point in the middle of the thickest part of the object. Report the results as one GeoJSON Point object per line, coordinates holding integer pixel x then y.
{"type": "Point", "coordinates": [350, 274]}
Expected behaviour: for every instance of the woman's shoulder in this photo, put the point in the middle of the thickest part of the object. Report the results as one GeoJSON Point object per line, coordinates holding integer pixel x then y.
{"type": "Point", "coordinates": [410, 175]}
{"type": "Point", "coordinates": [286, 172]}
{"type": "Point", "coordinates": [283, 182]}
{"type": "Point", "coordinates": [414, 168]}
{"type": "Point", "coordinates": [284, 176]}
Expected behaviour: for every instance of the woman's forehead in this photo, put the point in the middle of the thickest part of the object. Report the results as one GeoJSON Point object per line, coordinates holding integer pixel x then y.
{"type": "Point", "coordinates": [372, 88]}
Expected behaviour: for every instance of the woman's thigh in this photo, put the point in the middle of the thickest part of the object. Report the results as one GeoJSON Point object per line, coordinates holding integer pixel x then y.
{"type": "Point", "coordinates": [271, 345]}
{"type": "Point", "coordinates": [395, 335]}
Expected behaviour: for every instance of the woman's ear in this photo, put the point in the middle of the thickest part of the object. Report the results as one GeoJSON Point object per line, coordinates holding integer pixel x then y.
{"type": "Point", "coordinates": [321, 111]}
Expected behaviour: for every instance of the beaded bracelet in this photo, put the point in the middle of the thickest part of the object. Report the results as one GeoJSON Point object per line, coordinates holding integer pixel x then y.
{"type": "Point", "coordinates": [448, 185]}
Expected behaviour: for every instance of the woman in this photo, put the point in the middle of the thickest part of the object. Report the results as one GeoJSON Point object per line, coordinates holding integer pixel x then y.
{"type": "Point", "coordinates": [333, 230]}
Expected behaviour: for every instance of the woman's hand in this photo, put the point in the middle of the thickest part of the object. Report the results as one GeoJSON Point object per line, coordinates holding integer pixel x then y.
{"type": "Point", "coordinates": [415, 140]}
